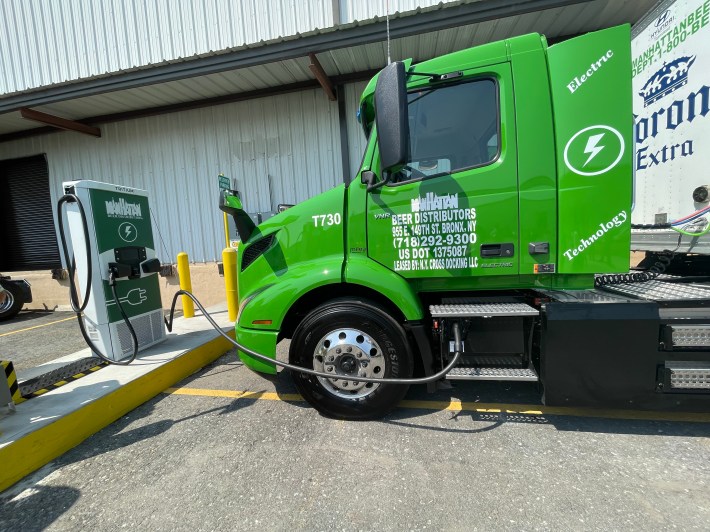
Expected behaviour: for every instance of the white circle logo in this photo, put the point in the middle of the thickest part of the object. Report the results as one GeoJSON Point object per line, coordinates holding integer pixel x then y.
{"type": "Point", "coordinates": [595, 152]}
{"type": "Point", "coordinates": [127, 232]}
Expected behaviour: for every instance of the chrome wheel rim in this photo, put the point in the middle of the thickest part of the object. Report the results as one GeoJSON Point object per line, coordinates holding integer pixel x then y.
{"type": "Point", "coordinates": [9, 301]}
{"type": "Point", "coordinates": [347, 353]}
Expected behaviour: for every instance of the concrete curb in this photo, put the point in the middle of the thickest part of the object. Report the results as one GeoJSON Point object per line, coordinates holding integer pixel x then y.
{"type": "Point", "coordinates": [48, 426]}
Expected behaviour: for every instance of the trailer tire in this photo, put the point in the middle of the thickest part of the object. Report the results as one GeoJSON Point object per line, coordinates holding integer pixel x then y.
{"type": "Point", "coordinates": [13, 302]}
{"type": "Point", "coordinates": [361, 329]}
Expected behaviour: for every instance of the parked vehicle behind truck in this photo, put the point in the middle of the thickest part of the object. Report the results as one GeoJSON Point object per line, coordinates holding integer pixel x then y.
{"type": "Point", "coordinates": [17, 293]}
{"type": "Point", "coordinates": [495, 187]}
{"type": "Point", "coordinates": [671, 102]}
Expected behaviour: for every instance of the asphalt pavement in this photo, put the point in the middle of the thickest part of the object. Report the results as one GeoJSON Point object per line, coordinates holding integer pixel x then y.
{"type": "Point", "coordinates": [205, 455]}
{"type": "Point", "coordinates": [35, 337]}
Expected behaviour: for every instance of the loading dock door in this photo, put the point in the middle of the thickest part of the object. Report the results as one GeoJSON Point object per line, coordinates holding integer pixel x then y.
{"type": "Point", "coordinates": [27, 237]}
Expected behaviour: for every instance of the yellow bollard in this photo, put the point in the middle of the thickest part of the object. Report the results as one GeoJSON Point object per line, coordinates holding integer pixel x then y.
{"type": "Point", "coordinates": [229, 264]}
{"type": "Point", "coordinates": [183, 265]}
{"type": "Point", "coordinates": [226, 230]}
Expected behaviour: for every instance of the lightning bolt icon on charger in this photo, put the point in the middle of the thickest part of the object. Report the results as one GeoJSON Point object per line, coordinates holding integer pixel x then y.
{"type": "Point", "coordinates": [134, 297]}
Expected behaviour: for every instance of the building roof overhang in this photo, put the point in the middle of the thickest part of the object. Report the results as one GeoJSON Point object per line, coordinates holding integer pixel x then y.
{"type": "Point", "coordinates": [348, 52]}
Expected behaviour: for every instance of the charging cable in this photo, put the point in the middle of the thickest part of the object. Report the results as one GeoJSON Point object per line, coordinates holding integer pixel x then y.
{"type": "Point", "coordinates": [458, 349]}
{"type": "Point", "coordinates": [79, 307]}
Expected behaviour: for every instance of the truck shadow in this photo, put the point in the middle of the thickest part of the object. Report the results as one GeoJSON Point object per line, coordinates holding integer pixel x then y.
{"type": "Point", "coordinates": [488, 406]}
{"type": "Point", "coordinates": [485, 422]}
{"type": "Point", "coordinates": [29, 315]}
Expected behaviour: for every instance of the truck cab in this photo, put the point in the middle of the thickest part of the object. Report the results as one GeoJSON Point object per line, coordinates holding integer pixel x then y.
{"type": "Point", "coordinates": [493, 179]}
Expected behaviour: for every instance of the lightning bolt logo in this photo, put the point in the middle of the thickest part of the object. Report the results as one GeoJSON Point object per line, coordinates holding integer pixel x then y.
{"type": "Point", "coordinates": [599, 137]}
{"type": "Point", "coordinates": [127, 231]}
{"type": "Point", "coordinates": [592, 149]}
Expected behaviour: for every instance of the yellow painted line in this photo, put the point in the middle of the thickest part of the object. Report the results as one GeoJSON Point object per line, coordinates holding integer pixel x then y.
{"type": "Point", "coordinates": [37, 326]}
{"type": "Point", "coordinates": [236, 394]}
{"type": "Point", "coordinates": [460, 406]}
{"type": "Point", "coordinates": [29, 453]}
{"type": "Point", "coordinates": [463, 406]}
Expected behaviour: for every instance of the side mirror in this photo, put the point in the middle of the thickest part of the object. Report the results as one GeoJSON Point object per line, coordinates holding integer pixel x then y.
{"type": "Point", "coordinates": [368, 178]}
{"type": "Point", "coordinates": [391, 117]}
{"type": "Point", "coordinates": [230, 203]}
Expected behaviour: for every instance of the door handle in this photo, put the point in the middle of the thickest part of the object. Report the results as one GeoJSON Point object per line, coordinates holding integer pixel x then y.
{"type": "Point", "coordinates": [539, 248]}
{"type": "Point", "coordinates": [497, 250]}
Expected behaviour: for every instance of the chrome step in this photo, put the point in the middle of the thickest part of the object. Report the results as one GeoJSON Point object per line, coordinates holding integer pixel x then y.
{"type": "Point", "coordinates": [660, 291]}
{"type": "Point", "coordinates": [689, 375]}
{"type": "Point", "coordinates": [492, 361]}
{"type": "Point", "coordinates": [475, 373]}
{"type": "Point", "coordinates": [480, 310]}
{"type": "Point", "coordinates": [690, 335]}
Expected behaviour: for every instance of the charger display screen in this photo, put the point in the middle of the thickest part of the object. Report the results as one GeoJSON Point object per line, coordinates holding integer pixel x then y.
{"type": "Point", "coordinates": [133, 255]}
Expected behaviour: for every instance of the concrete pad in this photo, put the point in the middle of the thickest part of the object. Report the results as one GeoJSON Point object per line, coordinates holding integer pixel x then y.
{"type": "Point", "coordinates": [44, 427]}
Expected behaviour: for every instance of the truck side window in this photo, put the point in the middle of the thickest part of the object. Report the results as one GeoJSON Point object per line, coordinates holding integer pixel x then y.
{"type": "Point", "coordinates": [451, 128]}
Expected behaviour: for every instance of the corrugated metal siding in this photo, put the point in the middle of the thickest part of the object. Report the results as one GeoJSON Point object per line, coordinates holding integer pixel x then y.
{"type": "Point", "coordinates": [292, 140]}
{"type": "Point", "coordinates": [44, 42]}
{"type": "Point", "coordinates": [568, 20]}
{"type": "Point", "coordinates": [352, 10]}
{"type": "Point", "coordinates": [356, 136]}
{"type": "Point", "coordinates": [230, 82]}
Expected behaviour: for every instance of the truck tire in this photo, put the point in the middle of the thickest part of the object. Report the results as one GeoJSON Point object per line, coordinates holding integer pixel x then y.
{"type": "Point", "coordinates": [350, 337]}
{"type": "Point", "coordinates": [13, 302]}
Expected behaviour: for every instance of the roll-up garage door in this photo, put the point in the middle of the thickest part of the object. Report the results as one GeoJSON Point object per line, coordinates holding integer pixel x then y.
{"type": "Point", "coordinates": [27, 237]}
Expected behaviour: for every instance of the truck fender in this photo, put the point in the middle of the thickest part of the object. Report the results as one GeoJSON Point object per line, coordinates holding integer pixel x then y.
{"type": "Point", "coordinates": [366, 272]}
{"type": "Point", "coordinates": [273, 303]}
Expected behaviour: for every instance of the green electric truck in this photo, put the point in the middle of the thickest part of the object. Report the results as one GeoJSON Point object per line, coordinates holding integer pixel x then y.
{"type": "Point", "coordinates": [494, 198]}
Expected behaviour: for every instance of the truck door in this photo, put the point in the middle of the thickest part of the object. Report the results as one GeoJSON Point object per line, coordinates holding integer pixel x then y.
{"type": "Point", "coordinates": [452, 212]}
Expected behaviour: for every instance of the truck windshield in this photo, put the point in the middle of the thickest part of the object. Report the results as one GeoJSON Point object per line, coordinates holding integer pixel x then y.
{"type": "Point", "coordinates": [451, 128]}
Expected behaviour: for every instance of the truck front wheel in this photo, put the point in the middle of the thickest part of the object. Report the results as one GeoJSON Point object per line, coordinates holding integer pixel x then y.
{"type": "Point", "coordinates": [349, 337]}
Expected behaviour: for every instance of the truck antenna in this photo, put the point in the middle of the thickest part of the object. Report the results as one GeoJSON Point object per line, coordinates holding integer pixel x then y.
{"type": "Point", "coordinates": [387, 16]}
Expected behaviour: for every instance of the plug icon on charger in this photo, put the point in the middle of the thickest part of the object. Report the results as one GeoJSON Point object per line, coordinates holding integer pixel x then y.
{"type": "Point", "coordinates": [134, 297]}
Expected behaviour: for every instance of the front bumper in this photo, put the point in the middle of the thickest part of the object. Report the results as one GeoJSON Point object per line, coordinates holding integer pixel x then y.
{"type": "Point", "coordinates": [263, 342]}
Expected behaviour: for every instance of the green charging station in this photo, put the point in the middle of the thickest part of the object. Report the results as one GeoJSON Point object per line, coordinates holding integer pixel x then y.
{"type": "Point", "coordinates": [120, 238]}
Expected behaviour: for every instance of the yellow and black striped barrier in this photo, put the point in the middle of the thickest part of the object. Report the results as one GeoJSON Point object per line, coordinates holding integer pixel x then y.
{"type": "Point", "coordinates": [11, 378]}
{"type": "Point", "coordinates": [59, 377]}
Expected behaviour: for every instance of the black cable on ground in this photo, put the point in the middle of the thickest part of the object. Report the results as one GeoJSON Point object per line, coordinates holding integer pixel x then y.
{"type": "Point", "coordinates": [421, 380]}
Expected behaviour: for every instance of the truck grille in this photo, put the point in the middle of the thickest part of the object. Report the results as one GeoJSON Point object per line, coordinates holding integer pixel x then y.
{"type": "Point", "coordinates": [254, 251]}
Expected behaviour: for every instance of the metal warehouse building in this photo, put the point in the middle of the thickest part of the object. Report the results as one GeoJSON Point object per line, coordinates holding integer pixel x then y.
{"type": "Point", "coordinates": [164, 95]}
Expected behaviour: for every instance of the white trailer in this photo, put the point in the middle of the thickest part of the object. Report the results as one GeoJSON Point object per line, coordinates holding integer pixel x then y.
{"type": "Point", "coordinates": [670, 50]}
